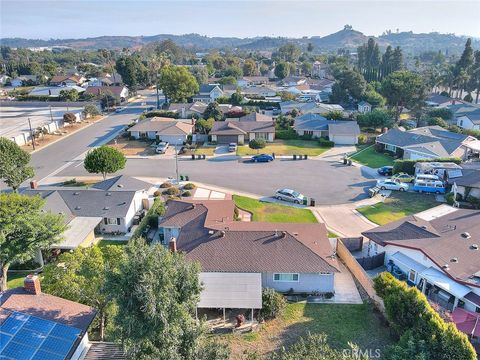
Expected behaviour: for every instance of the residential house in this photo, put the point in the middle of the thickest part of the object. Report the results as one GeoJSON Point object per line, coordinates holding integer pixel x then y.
{"type": "Point", "coordinates": [293, 81]}
{"type": "Point", "coordinates": [35, 325]}
{"type": "Point", "coordinates": [364, 107]}
{"type": "Point", "coordinates": [247, 81]}
{"type": "Point", "coordinates": [67, 80]}
{"type": "Point", "coordinates": [208, 93]}
{"type": "Point", "coordinates": [427, 142]}
{"type": "Point", "coordinates": [165, 129]}
{"type": "Point", "coordinates": [309, 107]}
{"type": "Point", "coordinates": [437, 100]}
{"type": "Point", "coordinates": [259, 91]}
{"type": "Point", "coordinates": [466, 116]}
{"type": "Point", "coordinates": [437, 251]}
{"type": "Point", "coordinates": [286, 257]}
{"type": "Point", "coordinates": [24, 80]}
{"type": "Point", "coordinates": [119, 92]}
{"type": "Point", "coordinates": [340, 132]}
{"type": "Point", "coordinates": [54, 91]}
{"type": "Point", "coordinates": [320, 70]}
{"type": "Point", "coordinates": [187, 110]}
{"type": "Point", "coordinates": [468, 185]}
{"type": "Point", "coordinates": [241, 132]}
{"type": "Point", "coordinates": [254, 116]}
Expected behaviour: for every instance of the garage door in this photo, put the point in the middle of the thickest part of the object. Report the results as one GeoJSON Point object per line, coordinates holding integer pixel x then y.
{"type": "Point", "coordinates": [344, 140]}
{"type": "Point", "coordinates": [227, 139]}
{"type": "Point", "coordinates": [173, 139]}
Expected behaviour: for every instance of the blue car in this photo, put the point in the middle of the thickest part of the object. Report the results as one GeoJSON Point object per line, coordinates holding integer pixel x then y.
{"type": "Point", "coordinates": [385, 170]}
{"type": "Point", "coordinates": [262, 158]}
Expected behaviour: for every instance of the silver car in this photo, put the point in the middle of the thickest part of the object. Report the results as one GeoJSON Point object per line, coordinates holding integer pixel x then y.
{"type": "Point", "coordinates": [289, 195]}
{"type": "Point", "coordinates": [162, 147]}
{"type": "Point", "coordinates": [390, 184]}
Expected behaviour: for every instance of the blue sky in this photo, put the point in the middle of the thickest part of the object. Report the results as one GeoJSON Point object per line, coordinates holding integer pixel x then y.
{"type": "Point", "coordinates": [87, 18]}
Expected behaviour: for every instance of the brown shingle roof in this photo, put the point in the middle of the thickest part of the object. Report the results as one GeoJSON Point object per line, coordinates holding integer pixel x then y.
{"type": "Point", "coordinates": [440, 239]}
{"type": "Point", "coordinates": [48, 307]}
{"type": "Point", "coordinates": [165, 126]}
{"type": "Point", "coordinates": [235, 127]}
{"type": "Point", "coordinates": [209, 235]}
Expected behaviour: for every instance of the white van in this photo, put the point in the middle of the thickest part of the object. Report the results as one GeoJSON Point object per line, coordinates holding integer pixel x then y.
{"type": "Point", "coordinates": [426, 177]}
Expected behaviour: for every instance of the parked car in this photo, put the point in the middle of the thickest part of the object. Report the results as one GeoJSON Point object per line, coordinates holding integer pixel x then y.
{"type": "Point", "coordinates": [162, 147]}
{"type": "Point", "coordinates": [262, 158]}
{"type": "Point", "coordinates": [403, 177]}
{"type": "Point", "coordinates": [289, 195]}
{"type": "Point", "coordinates": [120, 109]}
{"type": "Point", "coordinates": [385, 170]}
{"type": "Point", "coordinates": [389, 184]}
{"type": "Point", "coordinates": [429, 186]}
{"type": "Point", "coordinates": [232, 147]}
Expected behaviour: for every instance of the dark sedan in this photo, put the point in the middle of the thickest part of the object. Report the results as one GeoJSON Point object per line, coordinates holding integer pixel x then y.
{"type": "Point", "coordinates": [385, 170]}
{"type": "Point", "coordinates": [262, 158]}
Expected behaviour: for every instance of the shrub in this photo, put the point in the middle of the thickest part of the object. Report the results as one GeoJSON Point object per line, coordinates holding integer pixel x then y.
{"type": "Point", "coordinates": [69, 117]}
{"type": "Point", "coordinates": [189, 186]}
{"type": "Point", "coordinates": [468, 98]}
{"type": "Point", "coordinates": [325, 143]}
{"type": "Point", "coordinates": [273, 303]}
{"type": "Point", "coordinates": [171, 191]}
{"type": "Point", "coordinates": [257, 144]}
{"type": "Point", "coordinates": [186, 194]}
{"type": "Point", "coordinates": [90, 110]}
{"type": "Point", "coordinates": [408, 166]}
{"type": "Point", "coordinates": [236, 214]}
{"type": "Point", "coordinates": [362, 139]}
{"type": "Point", "coordinates": [157, 193]}
{"type": "Point", "coordinates": [162, 113]}
{"type": "Point", "coordinates": [288, 134]}
{"type": "Point", "coordinates": [166, 185]}
{"type": "Point", "coordinates": [444, 113]}
{"type": "Point", "coordinates": [474, 201]}
{"type": "Point", "coordinates": [329, 295]}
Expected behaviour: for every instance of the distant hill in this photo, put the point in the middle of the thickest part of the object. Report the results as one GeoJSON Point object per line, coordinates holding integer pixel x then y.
{"type": "Point", "coordinates": [346, 38]}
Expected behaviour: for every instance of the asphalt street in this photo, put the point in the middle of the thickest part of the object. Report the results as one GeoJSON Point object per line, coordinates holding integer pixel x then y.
{"type": "Point", "coordinates": [57, 155]}
{"type": "Point", "coordinates": [328, 182]}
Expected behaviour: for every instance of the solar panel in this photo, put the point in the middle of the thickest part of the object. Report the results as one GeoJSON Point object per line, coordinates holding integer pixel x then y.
{"type": "Point", "coordinates": [25, 337]}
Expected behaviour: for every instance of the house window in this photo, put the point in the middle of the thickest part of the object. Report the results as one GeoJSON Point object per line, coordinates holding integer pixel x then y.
{"type": "Point", "coordinates": [411, 276]}
{"type": "Point", "coordinates": [263, 136]}
{"type": "Point", "coordinates": [112, 221]}
{"type": "Point", "coordinates": [308, 132]}
{"type": "Point", "coordinates": [285, 277]}
{"type": "Point", "coordinates": [461, 123]}
{"type": "Point", "coordinates": [391, 148]}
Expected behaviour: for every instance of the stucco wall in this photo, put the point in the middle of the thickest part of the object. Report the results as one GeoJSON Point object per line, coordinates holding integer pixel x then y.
{"type": "Point", "coordinates": [307, 282]}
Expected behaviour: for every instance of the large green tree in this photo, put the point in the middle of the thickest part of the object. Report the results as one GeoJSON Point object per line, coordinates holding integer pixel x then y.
{"type": "Point", "coordinates": [178, 84]}
{"type": "Point", "coordinates": [133, 71]}
{"type": "Point", "coordinates": [403, 89]}
{"type": "Point", "coordinates": [14, 169]}
{"type": "Point", "coordinates": [213, 111]}
{"type": "Point", "coordinates": [157, 292]}
{"type": "Point", "coordinates": [25, 229]}
{"type": "Point", "coordinates": [249, 67]}
{"type": "Point", "coordinates": [282, 70]}
{"type": "Point", "coordinates": [81, 276]}
{"type": "Point", "coordinates": [104, 160]}
{"type": "Point", "coordinates": [200, 73]}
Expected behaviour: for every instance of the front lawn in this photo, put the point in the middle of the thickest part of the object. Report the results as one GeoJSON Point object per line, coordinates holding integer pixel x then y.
{"type": "Point", "coordinates": [286, 147]}
{"type": "Point", "coordinates": [369, 157]}
{"type": "Point", "coordinates": [267, 212]}
{"type": "Point", "coordinates": [397, 206]}
{"type": "Point", "coordinates": [342, 323]}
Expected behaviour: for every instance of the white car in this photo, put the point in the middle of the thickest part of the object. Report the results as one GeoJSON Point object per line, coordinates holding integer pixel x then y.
{"type": "Point", "coordinates": [390, 184]}
{"type": "Point", "coordinates": [232, 147]}
{"type": "Point", "coordinates": [289, 195]}
{"type": "Point", "coordinates": [162, 147]}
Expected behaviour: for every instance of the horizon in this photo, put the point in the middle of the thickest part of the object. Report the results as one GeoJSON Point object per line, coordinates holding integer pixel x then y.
{"type": "Point", "coordinates": [150, 17]}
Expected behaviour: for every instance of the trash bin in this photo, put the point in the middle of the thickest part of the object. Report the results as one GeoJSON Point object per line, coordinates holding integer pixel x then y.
{"type": "Point", "coordinates": [349, 162]}
{"type": "Point", "coordinates": [305, 201]}
{"type": "Point", "coordinates": [204, 156]}
{"type": "Point", "coordinates": [294, 157]}
{"type": "Point", "coordinates": [345, 161]}
{"type": "Point", "coordinates": [312, 202]}
{"type": "Point", "coordinates": [187, 178]}
{"type": "Point", "coordinates": [181, 178]}
{"type": "Point", "coordinates": [199, 157]}
{"type": "Point", "coordinates": [305, 157]}
{"type": "Point", "coordinates": [273, 155]}
{"type": "Point", "coordinates": [193, 156]}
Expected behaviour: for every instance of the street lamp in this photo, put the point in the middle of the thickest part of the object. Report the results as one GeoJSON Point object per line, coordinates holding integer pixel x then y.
{"type": "Point", "coordinates": [32, 135]}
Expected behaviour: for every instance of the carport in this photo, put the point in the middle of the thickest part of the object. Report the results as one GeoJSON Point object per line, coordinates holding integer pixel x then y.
{"type": "Point", "coordinates": [222, 290]}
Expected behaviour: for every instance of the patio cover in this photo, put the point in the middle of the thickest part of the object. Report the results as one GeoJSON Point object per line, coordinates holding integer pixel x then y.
{"type": "Point", "coordinates": [231, 290]}
{"type": "Point", "coordinates": [473, 145]}
{"type": "Point", "coordinates": [466, 321]}
{"type": "Point", "coordinates": [78, 230]}
{"type": "Point", "coordinates": [410, 263]}
{"type": "Point", "coordinates": [443, 281]}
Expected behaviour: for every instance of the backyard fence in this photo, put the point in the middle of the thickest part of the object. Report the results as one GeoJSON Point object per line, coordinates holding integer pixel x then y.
{"type": "Point", "coordinates": [362, 277]}
{"type": "Point", "coordinates": [353, 244]}
{"type": "Point", "coordinates": [372, 262]}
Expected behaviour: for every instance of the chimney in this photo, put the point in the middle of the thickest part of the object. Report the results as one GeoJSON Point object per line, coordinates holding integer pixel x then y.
{"type": "Point", "coordinates": [33, 184]}
{"type": "Point", "coordinates": [173, 245]}
{"type": "Point", "coordinates": [283, 235]}
{"type": "Point", "coordinates": [32, 284]}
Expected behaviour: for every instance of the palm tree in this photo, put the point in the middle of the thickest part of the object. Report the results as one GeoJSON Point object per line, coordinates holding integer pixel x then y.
{"type": "Point", "coordinates": [448, 78]}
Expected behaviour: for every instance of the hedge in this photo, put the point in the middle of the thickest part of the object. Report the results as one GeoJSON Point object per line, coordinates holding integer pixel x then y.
{"type": "Point", "coordinates": [157, 209]}
{"type": "Point", "coordinates": [408, 166]}
{"type": "Point", "coordinates": [162, 113]}
{"type": "Point", "coordinates": [415, 321]}
{"type": "Point", "coordinates": [289, 134]}
{"type": "Point", "coordinates": [325, 143]}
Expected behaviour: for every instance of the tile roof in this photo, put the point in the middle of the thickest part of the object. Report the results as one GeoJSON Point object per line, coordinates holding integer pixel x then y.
{"type": "Point", "coordinates": [441, 239]}
{"type": "Point", "coordinates": [164, 126]}
{"type": "Point", "coordinates": [48, 307]}
{"type": "Point", "coordinates": [209, 235]}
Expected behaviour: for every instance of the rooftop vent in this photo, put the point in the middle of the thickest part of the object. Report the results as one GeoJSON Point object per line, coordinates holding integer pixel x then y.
{"type": "Point", "coordinates": [466, 235]}
{"type": "Point", "coordinates": [76, 193]}
{"type": "Point", "coordinates": [210, 232]}
{"type": "Point", "coordinates": [77, 207]}
{"type": "Point", "coordinates": [423, 227]}
{"type": "Point", "coordinates": [120, 185]}
{"type": "Point", "coordinates": [108, 194]}
{"type": "Point", "coordinates": [283, 234]}
{"type": "Point", "coordinates": [222, 234]}
{"type": "Point", "coordinates": [106, 208]}
{"type": "Point", "coordinates": [446, 267]}
{"type": "Point", "coordinates": [454, 260]}
{"type": "Point", "coordinates": [123, 203]}
{"type": "Point", "coordinates": [474, 247]}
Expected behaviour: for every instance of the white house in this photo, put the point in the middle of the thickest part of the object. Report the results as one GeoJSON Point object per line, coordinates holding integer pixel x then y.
{"type": "Point", "coordinates": [208, 93]}
{"type": "Point", "coordinates": [364, 107]}
{"type": "Point", "coordinates": [467, 116]}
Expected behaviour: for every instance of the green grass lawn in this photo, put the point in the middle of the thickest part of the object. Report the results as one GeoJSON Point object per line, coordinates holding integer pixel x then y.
{"type": "Point", "coordinates": [267, 212]}
{"type": "Point", "coordinates": [15, 279]}
{"type": "Point", "coordinates": [112, 242]}
{"type": "Point", "coordinates": [209, 151]}
{"type": "Point", "coordinates": [397, 206]}
{"type": "Point", "coordinates": [342, 323]}
{"type": "Point", "coordinates": [286, 147]}
{"type": "Point", "coordinates": [371, 158]}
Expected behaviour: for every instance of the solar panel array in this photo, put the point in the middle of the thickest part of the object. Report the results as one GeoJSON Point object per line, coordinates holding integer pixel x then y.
{"type": "Point", "coordinates": [25, 337]}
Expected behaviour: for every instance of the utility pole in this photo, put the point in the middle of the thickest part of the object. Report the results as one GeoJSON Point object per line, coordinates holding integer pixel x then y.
{"type": "Point", "coordinates": [176, 163]}
{"type": "Point", "coordinates": [51, 115]}
{"type": "Point", "coordinates": [32, 135]}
